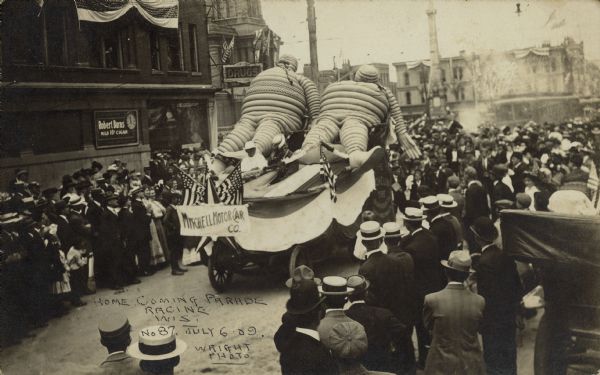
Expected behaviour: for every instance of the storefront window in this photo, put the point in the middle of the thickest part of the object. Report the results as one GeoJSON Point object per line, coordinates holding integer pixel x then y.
{"type": "Point", "coordinates": [175, 56]}
{"type": "Point", "coordinates": [193, 34]}
{"type": "Point", "coordinates": [176, 123]}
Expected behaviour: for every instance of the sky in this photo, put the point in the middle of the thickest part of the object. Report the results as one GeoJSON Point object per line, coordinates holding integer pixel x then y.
{"type": "Point", "coordinates": [387, 31]}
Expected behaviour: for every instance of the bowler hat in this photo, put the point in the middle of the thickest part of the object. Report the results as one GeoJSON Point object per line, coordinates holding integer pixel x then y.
{"type": "Point", "coordinates": [60, 205]}
{"type": "Point", "coordinates": [156, 343]}
{"type": "Point", "coordinates": [523, 200]}
{"type": "Point", "coordinates": [302, 273]}
{"type": "Point", "coordinates": [484, 228]}
{"type": "Point", "coordinates": [499, 170]}
{"type": "Point", "coordinates": [335, 286]}
{"type": "Point", "coordinates": [304, 297]}
{"type": "Point", "coordinates": [358, 282]}
{"type": "Point", "coordinates": [459, 260]}
{"type": "Point", "coordinates": [96, 165]}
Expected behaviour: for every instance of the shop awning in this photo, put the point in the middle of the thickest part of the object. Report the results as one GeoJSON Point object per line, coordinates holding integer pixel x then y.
{"type": "Point", "coordinates": [114, 87]}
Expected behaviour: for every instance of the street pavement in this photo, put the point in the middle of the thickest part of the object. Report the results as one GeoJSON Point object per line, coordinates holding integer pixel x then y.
{"type": "Point", "coordinates": [228, 333]}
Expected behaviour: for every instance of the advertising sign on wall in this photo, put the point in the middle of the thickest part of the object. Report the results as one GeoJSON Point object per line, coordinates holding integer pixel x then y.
{"type": "Point", "coordinates": [116, 128]}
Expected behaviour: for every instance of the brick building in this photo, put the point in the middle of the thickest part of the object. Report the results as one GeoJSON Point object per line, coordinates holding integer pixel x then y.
{"type": "Point", "coordinates": [66, 81]}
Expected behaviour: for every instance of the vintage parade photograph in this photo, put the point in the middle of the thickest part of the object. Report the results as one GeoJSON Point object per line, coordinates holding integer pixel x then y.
{"type": "Point", "coordinates": [300, 187]}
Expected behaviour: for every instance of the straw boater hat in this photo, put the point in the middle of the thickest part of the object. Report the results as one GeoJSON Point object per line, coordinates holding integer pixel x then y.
{"type": "Point", "coordinates": [371, 230]}
{"type": "Point", "coordinates": [358, 283]}
{"type": "Point", "coordinates": [113, 326]}
{"type": "Point", "coordinates": [446, 201]}
{"type": "Point", "coordinates": [156, 343]}
{"type": "Point", "coordinates": [429, 203]}
{"type": "Point", "coordinates": [392, 229]}
{"type": "Point", "coordinates": [335, 286]}
{"type": "Point", "coordinates": [413, 214]}
{"type": "Point", "coordinates": [459, 260]}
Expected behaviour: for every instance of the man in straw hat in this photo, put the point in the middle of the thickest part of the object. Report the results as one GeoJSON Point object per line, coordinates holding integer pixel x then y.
{"type": "Point", "coordinates": [498, 282]}
{"type": "Point", "coordinates": [336, 292]}
{"type": "Point", "coordinates": [384, 331]}
{"type": "Point", "coordinates": [454, 315]}
{"type": "Point", "coordinates": [441, 228]}
{"type": "Point", "coordinates": [157, 349]}
{"type": "Point", "coordinates": [422, 245]}
{"type": "Point", "coordinates": [115, 337]}
{"type": "Point", "coordinates": [301, 350]}
{"type": "Point", "coordinates": [447, 205]}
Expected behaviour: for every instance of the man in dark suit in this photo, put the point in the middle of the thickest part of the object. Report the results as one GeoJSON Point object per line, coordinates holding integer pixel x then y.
{"type": "Point", "coordinates": [483, 165]}
{"type": "Point", "coordinates": [476, 205]}
{"type": "Point", "coordinates": [336, 292]}
{"type": "Point", "coordinates": [172, 229]}
{"type": "Point", "coordinates": [64, 231]}
{"type": "Point", "coordinates": [454, 315]}
{"type": "Point", "coordinates": [110, 232]}
{"type": "Point", "coordinates": [519, 168]}
{"type": "Point", "coordinates": [299, 344]}
{"type": "Point", "coordinates": [498, 282]}
{"type": "Point", "coordinates": [422, 245]}
{"type": "Point", "coordinates": [384, 331]}
{"type": "Point", "coordinates": [501, 190]}
{"type": "Point", "coordinates": [441, 228]}
{"type": "Point", "coordinates": [139, 236]}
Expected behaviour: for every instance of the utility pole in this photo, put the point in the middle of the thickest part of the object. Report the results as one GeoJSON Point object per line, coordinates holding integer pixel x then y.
{"type": "Point", "coordinates": [312, 40]}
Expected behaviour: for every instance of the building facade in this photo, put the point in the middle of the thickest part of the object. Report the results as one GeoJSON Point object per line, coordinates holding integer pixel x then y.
{"type": "Point", "coordinates": [77, 91]}
{"type": "Point", "coordinates": [238, 24]}
{"type": "Point", "coordinates": [486, 81]}
{"type": "Point", "coordinates": [347, 72]}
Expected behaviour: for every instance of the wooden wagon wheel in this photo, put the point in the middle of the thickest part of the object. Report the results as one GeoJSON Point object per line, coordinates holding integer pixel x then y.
{"type": "Point", "coordinates": [219, 276]}
{"type": "Point", "coordinates": [298, 257]}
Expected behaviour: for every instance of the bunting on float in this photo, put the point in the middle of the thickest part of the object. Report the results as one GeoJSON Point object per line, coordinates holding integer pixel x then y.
{"type": "Point", "coordinates": [163, 13]}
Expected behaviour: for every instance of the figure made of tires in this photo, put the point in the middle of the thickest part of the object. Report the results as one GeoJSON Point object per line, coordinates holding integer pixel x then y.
{"type": "Point", "coordinates": [350, 108]}
{"type": "Point", "coordinates": [277, 102]}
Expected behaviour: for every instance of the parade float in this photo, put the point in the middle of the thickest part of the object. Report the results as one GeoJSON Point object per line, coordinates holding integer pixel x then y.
{"type": "Point", "coordinates": [563, 246]}
{"type": "Point", "coordinates": [310, 202]}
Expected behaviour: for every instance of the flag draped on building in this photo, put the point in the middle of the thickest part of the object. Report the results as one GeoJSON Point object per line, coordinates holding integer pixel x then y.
{"type": "Point", "coordinates": [163, 13]}
{"type": "Point", "coordinates": [193, 192]}
{"type": "Point", "coordinates": [227, 50]}
{"type": "Point", "coordinates": [231, 190]}
{"type": "Point", "coordinates": [328, 175]}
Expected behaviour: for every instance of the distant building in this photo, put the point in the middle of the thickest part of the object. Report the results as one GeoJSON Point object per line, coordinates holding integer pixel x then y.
{"type": "Point", "coordinates": [253, 43]}
{"type": "Point", "coordinates": [492, 79]}
{"type": "Point", "coordinates": [347, 71]}
{"type": "Point", "coordinates": [76, 91]}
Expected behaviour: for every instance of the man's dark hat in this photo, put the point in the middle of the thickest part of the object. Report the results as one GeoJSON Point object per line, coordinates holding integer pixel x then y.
{"type": "Point", "coordinates": [98, 195]}
{"type": "Point", "coordinates": [484, 228]}
{"type": "Point", "coordinates": [61, 204]}
{"type": "Point", "coordinates": [302, 273]}
{"type": "Point", "coordinates": [97, 165]}
{"type": "Point", "coordinates": [113, 326]}
{"type": "Point", "coordinates": [304, 297]}
{"type": "Point", "coordinates": [111, 196]}
{"type": "Point", "coordinates": [499, 170]}
{"type": "Point", "coordinates": [21, 171]}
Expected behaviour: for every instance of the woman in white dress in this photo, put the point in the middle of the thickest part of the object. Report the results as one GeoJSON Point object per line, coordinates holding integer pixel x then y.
{"type": "Point", "coordinates": [158, 241]}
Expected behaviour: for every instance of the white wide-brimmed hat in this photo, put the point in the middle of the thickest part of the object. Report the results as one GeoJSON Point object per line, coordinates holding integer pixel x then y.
{"type": "Point", "coordinates": [156, 343]}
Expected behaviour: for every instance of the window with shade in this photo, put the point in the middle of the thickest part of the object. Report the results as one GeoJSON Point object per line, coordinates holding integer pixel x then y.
{"type": "Point", "coordinates": [407, 98]}
{"type": "Point", "coordinates": [174, 50]}
{"type": "Point", "coordinates": [406, 79]}
{"type": "Point", "coordinates": [193, 37]}
{"type": "Point", "coordinates": [155, 50]}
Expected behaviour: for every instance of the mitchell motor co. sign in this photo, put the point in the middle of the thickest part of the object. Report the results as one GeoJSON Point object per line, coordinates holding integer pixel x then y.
{"type": "Point", "coordinates": [241, 72]}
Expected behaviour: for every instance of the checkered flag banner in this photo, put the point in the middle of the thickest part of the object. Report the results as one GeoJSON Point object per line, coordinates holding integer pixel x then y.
{"type": "Point", "coordinates": [328, 175]}
{"type": "Point", "coordinates": [193, 192]}
{"type": "Point", "coordinates": [231, 190]}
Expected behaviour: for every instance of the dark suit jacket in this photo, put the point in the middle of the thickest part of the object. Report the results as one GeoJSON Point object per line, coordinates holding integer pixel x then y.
{"type": "Point", "coordinates": [65, 233]}
{"type": "Point", "coordinates": [518, 177]}
{"type": "Point", "coordinates": [383, 329]}
{"type": "Point", "coordinates": [424, 250]}
{"type": "Point", "coordinates": [301, 354]}
{"type": "Point", "coordinates": [454, 315]}
{"type": "Point", "coordinates": [459, 198]}
{"type": "Point", "coordinates": [502, 191]}
{"type": "Point", "coordinates": [172, 228]}
{"type": "Point", "coordinates": [483, 174]}
{"type": "Point", "coordinates": [476, 203]}
{"type": "Point", "coordinates": [393, 284]}
{"type": "Point", "coordinates": [140, 223]}
{"type": "Point", "coordinates": [498, 282]}
{"type": "Point", "coordinates": [445, 234]}
{"type": "Point", "coordinates": [110, 233]}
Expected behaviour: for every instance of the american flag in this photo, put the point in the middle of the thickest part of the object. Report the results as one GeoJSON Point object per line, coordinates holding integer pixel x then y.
{"type": "Point", "coordinates": [193, 192]}
{"type": "Point", "coordinates": [328, 176]}
{"type": "Point", "coordinates": [231, 190]}
{"type": "Point", "coordinates": [227, 49]}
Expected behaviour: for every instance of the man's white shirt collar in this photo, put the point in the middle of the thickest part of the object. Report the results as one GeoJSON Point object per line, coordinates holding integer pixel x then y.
{"type": "Point", "coordinates": [417, 230]}
{"type": "Point", "coordinates": [362, 302]}
{"type": "Point", "coordinates": [369, 253]}
{"type": "Point", "coordinates": [455, 283]}
{"type": "Point", "coordinates": [485, 247]}
{"type": "Point", "coordinates": [440, 216]}
{"type": "Point", "coordinates": [309, 332]}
